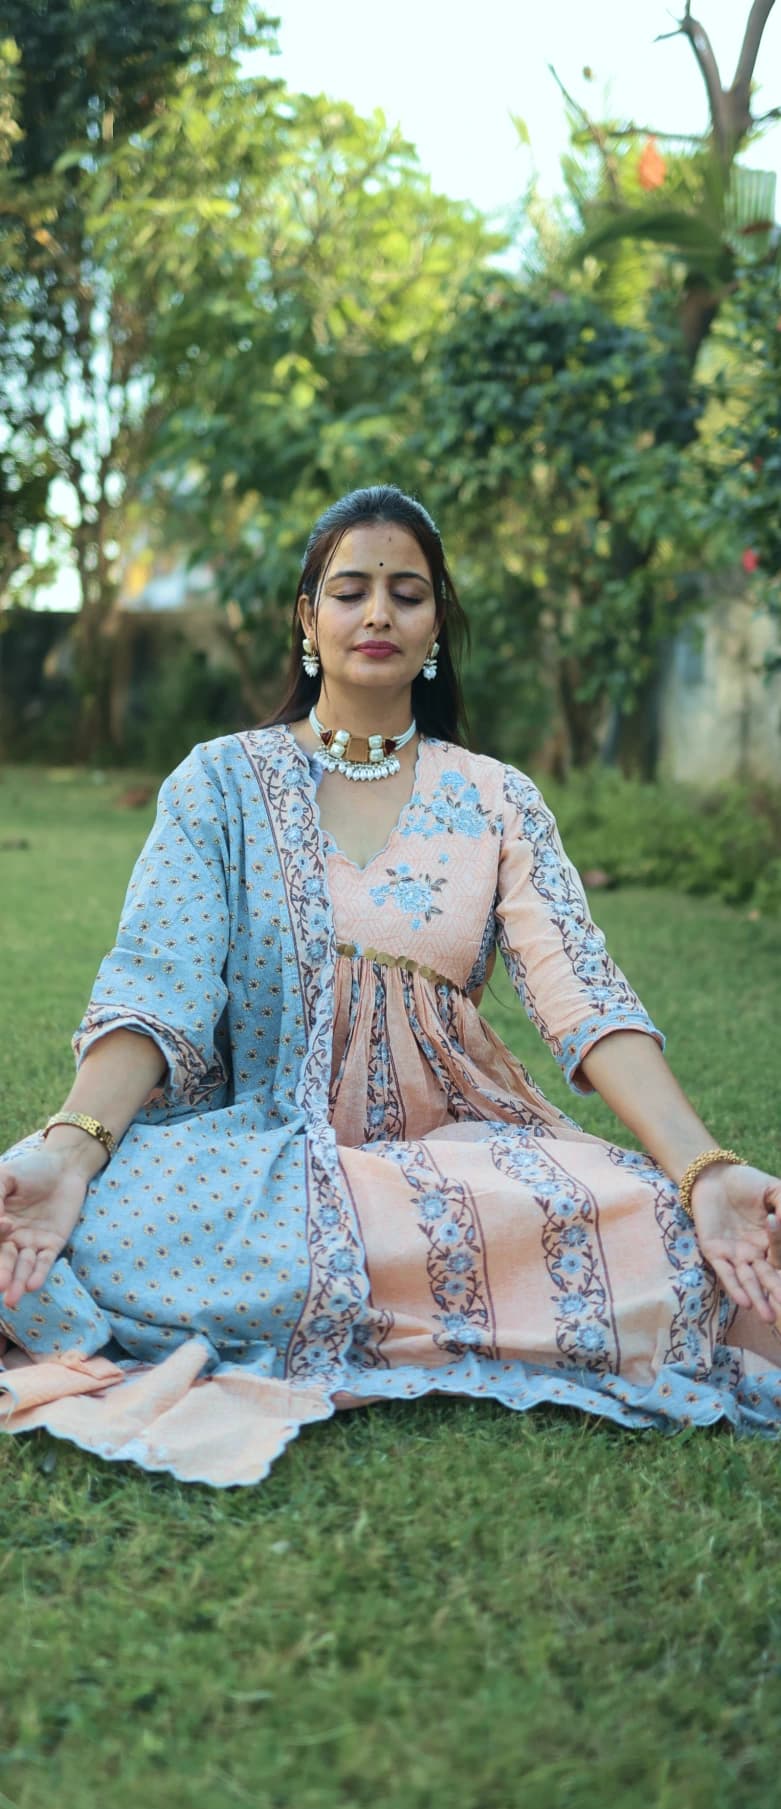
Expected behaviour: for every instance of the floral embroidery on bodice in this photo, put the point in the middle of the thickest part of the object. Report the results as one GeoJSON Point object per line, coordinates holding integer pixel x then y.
{"type": "Point", "coordinates": [458, 873]}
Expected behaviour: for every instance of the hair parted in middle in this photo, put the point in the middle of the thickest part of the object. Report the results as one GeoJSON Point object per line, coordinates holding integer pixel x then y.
{"type": "Point", "coordinates": [438, 704]}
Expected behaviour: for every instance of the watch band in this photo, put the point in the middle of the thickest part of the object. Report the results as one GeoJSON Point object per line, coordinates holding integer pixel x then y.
{"type": "Point", "coordinates": [85, 1123]}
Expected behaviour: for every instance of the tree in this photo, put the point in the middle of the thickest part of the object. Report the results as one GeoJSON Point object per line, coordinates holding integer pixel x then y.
{"type": "Point", "coordinates": [712, 221]}
{"type": "Point", "coordinates": [562, 434]}
{"type": "Point", "coordinates": [289, 340]}
{"type": "Point", "coordinates": [82, 84]}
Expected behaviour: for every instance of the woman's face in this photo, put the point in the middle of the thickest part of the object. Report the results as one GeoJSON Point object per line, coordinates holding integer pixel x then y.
{"type": "Point", "coordinates": [376, 615]}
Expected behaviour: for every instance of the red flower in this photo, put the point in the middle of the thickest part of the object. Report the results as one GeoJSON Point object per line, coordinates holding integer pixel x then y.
{"type": "Point", "coordinates": [651, 167]}
{"type": "Point", "coordinates": [749, 560]}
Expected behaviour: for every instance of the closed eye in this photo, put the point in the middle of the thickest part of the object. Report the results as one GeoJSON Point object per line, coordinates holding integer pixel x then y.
{"type": "Point", "coordinates": [354, 596]}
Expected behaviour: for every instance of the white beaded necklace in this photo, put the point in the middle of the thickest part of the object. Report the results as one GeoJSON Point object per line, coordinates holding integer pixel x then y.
{"type": "Point", "coordinates": [382, 751]}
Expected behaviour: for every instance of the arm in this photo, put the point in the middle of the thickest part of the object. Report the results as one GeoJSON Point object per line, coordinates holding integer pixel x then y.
{"type": "Point", "coordinates": [554, 953]}
{"type": "Point", "coordinates": [164, 977]}
{"type": "Point", "coordinates": [730, 1205]}
{"type": "Point", "coordinates": [42, 1192]}
{"type": "Point", "coordinates": [113, 1082]}
{"type": "Point", "coordinates": [631, 1075]}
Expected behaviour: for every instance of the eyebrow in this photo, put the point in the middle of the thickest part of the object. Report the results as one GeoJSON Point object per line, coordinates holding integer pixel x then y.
{"type": "Point", "coordinates": [333, 577]}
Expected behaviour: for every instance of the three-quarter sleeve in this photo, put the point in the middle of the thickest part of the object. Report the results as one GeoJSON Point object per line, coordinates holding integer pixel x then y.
{"type": "Point", "coordinates": [553, 951]}
{"type": "Point", "coordinates": [164, 977]}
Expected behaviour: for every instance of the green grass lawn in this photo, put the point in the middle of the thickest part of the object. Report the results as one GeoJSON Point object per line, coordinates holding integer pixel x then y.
{"type": "Point", "coordinates": [427, 1605]}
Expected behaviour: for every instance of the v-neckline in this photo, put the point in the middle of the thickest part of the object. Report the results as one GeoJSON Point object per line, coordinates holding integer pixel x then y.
{"type": "Point", "coordinates": [327, 843]}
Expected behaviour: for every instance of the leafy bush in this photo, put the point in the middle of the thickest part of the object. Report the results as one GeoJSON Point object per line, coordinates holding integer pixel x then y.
{"type": "Point", "coordinates": [728, 843]}
{"type": "Point", "coordinates": [187, 701]}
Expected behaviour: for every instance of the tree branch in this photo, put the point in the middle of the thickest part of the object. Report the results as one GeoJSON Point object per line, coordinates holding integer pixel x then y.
{"type": "Point", "coordinates": [597, 135]}
{"type": "Point", "coordinates": [633, 131]}
{"type": "Point", "coordinates": [752, 38]}
{"type": "Point", "coordinates": [709, 70]}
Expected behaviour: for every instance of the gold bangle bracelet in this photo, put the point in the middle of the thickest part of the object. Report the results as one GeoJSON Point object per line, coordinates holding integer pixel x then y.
{"type": "Point", "coordinates": [695, 1168]}
{"type": "Point", "coordinates": [92, 1125]}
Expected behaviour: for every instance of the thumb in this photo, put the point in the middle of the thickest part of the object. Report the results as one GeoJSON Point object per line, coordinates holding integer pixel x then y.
{"type": "Point", "coordinates": [771, 1200]}
{"type": "Point", "coordinates": [7, 1183]}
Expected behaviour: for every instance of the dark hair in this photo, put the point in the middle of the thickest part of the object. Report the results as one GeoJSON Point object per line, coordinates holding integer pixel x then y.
{"type": "Point", "coordinates": [438, 704]}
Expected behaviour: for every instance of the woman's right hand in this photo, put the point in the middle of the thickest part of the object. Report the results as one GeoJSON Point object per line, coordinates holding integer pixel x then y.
{"type": "Point", "coordinates": [41, 1197]}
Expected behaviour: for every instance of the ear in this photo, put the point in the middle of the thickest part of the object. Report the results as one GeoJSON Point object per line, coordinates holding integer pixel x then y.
{"type": "Point", "coordinates": [306, 615]}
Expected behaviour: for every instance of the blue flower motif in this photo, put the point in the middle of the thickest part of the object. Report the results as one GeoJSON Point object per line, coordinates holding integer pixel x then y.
{"type": "Point", "coordinates": [450, 1233]}
{"type": "Point", "coordinates": [342, 1262]}
{"type": "Point", "coordinates": [592, 1338]}
{"type": "Point", "coordinates": [692, 1278]}
{"type": "Point", "coordinates": [573, 1303]}
{"type": "Point", "coordinates": [685, 1245]}
{"type": "Point", "coordinates": [329, 1215]}
{"type": "Point", "coordinates": [460, 1326]}
{"type": "Point", "coordinates": [432, 1206]}
{"type": "Point", "coordinates": [323, 1323]}
{"type": "Point", "coordinates": [456, 1287]}
{"type": "Point", "coordinates": [571, 1264]}
{"type": "Point", "coordinates": [574, 1234]}
{"type": "Point", "coordinates": [461, 1262]}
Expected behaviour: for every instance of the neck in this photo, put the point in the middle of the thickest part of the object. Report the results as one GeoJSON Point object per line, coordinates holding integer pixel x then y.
{"type": "Point", "coordinates": [365, 712]}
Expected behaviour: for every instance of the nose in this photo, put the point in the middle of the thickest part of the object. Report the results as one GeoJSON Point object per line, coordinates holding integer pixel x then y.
{"type": "Point", "coordinates": [377, 613]}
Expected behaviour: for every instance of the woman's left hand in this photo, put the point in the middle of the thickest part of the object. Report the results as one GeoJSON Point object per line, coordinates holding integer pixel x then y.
{"type": "Point", "coordinates": [731, 1207]}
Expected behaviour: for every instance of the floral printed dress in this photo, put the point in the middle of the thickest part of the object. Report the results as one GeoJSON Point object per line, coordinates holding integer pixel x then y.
{"type": "Point", "coordinates": [346, 1188]}
{"type": "Point", "coordinates": [490, 1220]}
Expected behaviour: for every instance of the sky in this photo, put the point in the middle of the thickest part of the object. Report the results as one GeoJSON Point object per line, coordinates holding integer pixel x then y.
{"type": "Point", "coordinates": [451, 73]}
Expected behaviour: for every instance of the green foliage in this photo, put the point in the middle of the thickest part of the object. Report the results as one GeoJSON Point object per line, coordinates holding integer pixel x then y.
{"type": "Point", "coordinates": [187, 701]}
{"type": "Point", "coordinates": [79, 84]}
{"type": "Point", "coordinates": [727, 843]}
{"type": "Point", "coordinates": [560, 439]}
{"type": "Point", "coordinates": [749, 486]}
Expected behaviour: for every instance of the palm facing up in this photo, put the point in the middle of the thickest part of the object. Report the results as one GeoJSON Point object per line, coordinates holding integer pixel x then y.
{"type": "Point", "coordinates": [41, 1198]}
{"type": "Point", "coordinates": [730, 1214]}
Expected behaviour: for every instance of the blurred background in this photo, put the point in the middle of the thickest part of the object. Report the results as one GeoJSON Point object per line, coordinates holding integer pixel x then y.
{"type": "Point", "coordinates": [523, 262]}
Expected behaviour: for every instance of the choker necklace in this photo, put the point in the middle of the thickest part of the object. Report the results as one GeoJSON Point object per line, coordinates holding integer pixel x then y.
{"type": "Point", "coordinates": [382, 751]}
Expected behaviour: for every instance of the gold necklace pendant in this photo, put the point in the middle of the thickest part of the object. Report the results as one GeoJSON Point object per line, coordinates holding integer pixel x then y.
{"type": "Point", "coordinates": [382, 761]}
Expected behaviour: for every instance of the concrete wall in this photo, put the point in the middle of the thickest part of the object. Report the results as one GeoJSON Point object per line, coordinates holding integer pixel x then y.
{"type": "Point", "coordinates": [720, 710]}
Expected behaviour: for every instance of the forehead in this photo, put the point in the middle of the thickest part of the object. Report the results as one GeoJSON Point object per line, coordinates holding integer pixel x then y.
{"type": "Point", "coordinates": [364, 547]}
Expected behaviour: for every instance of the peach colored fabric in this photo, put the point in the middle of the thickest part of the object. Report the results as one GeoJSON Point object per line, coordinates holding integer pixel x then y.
{"type": "Point", "coordinates": [223, 1429]}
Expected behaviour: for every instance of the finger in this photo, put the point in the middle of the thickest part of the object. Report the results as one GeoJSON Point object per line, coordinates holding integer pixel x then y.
{"type": "Point", "coordinates": [729, 1281]}
{"type": "Point", "coordinates": [8, 1257]}
{"type": "Point", "coordinates": [769, 1278]}
{"type": "Point", "coordinates": [25, 1265]}
{"type": "Point", "coordinates": [749, 1279]}
{"type": "Point", "coordinates": [774, 1240]}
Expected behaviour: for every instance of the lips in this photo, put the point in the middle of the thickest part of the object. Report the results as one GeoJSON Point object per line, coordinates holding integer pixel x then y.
{"type": "Point", "coordinates": [377, 647]}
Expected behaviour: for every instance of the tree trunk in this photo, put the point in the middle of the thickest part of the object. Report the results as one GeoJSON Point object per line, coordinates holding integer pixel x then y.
{"type": "Point", "coordinates": [579, 717]}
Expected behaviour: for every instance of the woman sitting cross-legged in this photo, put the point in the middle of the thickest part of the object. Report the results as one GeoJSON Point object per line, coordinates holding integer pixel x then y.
{"type": "Point", "coordinates": [297, 1170]}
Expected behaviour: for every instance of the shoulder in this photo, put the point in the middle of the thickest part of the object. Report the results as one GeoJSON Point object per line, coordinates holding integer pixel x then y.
{"type": "Point", "coordinates": [224, 762]}
{"type": "Point", "coordinates": [496, 777]}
